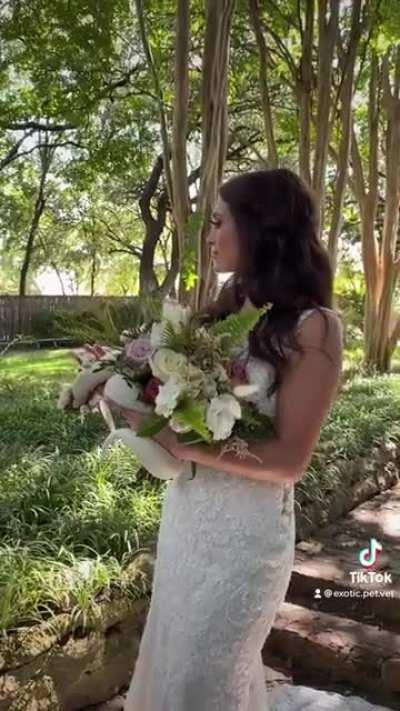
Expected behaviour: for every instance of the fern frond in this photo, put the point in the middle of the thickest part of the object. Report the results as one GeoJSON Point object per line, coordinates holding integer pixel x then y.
{"type": "Point", "coordinates": [235, 328]}
{"type": "Point", "coordinates": [192, 414]}
{"type": "Point", "coordinates": [177, 341]}
{"type": "Point", "coordinates": [106, 323]}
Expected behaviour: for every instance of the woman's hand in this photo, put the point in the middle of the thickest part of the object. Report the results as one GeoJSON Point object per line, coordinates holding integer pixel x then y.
{"type": "Point", "coordinates": [132, 417]}
{"type": "Point", "coordinates": [166, 437]}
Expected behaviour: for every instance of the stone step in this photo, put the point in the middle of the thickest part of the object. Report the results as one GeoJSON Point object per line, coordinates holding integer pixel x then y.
{"type": "Point", "coordinates": [302, 698]}
{"type": "Point", "coordinates": [354, 652]}
{"type": "Point", "coordinates": [334, 649]}
{"type": "Point", "coordinates": [329, 563]}
{"type": "Point", "coordinates": [283, 696]}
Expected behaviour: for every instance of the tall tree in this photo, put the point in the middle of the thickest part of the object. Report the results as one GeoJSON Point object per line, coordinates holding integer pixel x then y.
{"type": "Point", "coordinates": [214, 136]}
{"type": "Point", "coordinates": [380, 241]}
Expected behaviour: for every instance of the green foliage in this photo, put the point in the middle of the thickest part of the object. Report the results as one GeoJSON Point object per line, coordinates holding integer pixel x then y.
{"type": "Point", "coordinates": [253, 424]}
{"type": "Point", "coordinates": [190, 256]}
{"type": "Point", "coordinates": [107, 321]}
{"type": "Point", "coordinates": [44, 325]}
{"type": "Point", "coordinates": [192, 414]}
{"type": "Point", "coordinates": [178, 340]}
{"type": "Point", "coordinates": [387, 28]}
{"type": "Point", "coordinates": [151, 425]}
{"type": "Point", "coordinates": [71, 519]}
{"type": "Point", "coordinates": [58, 323]}
{"type": "Point", "coordinates": [235, 328]}
{"type": "Point", "coordinates": [350, 295]}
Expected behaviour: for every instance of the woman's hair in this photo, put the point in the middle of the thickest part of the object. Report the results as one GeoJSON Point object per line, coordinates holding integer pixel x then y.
{"type": "Point", "coordinates": [281, 260]}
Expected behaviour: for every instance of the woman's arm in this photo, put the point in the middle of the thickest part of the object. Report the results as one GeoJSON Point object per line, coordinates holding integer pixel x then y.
{"type": "Point", "coordinates": [133, 418]}
{"type": "Point", "coordinates": [303, 403]}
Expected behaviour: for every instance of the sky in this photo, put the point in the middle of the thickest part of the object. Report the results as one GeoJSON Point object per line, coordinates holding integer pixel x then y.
{"type": "Point", "coordinates": [49, 284]}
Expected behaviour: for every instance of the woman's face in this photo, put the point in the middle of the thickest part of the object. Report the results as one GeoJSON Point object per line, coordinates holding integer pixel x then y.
{"type": "Point", "coordinates": [223, 239]}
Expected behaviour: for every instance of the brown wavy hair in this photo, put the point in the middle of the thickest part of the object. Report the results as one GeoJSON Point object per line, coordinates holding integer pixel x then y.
{"type": "Point", "coordinates": [282, 261]}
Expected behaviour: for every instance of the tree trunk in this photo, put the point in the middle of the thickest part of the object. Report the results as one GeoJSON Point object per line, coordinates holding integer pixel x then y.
{"type": "Point", "coordinates": [391, 102]}
{"type": "Point", "coordinates": [348, 65]}
{"type": "Point", "coordinates": [180, 184]}
{"type": "Point", "coordinates": [168, 285]}
{"type": "Point", "coordinates": [93, 272]}
{"type": "Point", "coordinates": [46, 155]}
{"type": "Point", "coordinates": [154, 226]}
{"type": "Point", "coordinates": [214, 133]}
{"type": "Point", "coordinates": [367, 195]}
{"type": "Point", "coordinates": [328, 35]}
{"type": "Point", "coordinates": [57, 271]}
{"type": "Point", "coordinates": [272, 159]}
{"type": "Point", "coordinates": [304, 87]}
{"type": "Point", "coordinates": [381, 266]}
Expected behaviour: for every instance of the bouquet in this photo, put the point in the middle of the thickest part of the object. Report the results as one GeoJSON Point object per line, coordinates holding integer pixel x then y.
{"type": "Point", "coordinates": [182, 374]}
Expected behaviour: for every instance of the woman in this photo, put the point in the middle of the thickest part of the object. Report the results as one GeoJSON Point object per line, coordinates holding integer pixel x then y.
{"type": "Point", "coordinates": [226, 540]}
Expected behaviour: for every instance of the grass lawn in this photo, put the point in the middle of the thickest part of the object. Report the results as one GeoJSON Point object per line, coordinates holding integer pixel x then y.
{"type": "Point", "coordinates": [71, 519]}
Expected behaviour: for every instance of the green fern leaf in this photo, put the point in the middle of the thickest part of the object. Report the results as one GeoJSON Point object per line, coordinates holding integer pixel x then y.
{"type": "Point", "coordinates": [177, 341]}
{"type": "Point", "coordinates": [192, 414]}
{"type": "Point", "coordinates": [190, 437]}
{"type": "Point", "coordinates": [235, 328]}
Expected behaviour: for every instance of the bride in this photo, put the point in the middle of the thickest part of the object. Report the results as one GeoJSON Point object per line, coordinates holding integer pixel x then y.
{"type": "Point", "coordinates": [226, 541]}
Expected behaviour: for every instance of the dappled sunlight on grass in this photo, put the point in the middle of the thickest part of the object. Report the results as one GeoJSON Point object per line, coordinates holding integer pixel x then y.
{"type": "Point", "coordinates": [71, 518]}
{"type": "Point", "coordinates": [49, 363]}
{"type": "Point", "coordinates": [366, 412]}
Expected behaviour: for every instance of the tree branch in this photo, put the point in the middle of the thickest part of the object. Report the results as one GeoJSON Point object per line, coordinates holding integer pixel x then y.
{"type": "Point", "coordinates": [37, 126]}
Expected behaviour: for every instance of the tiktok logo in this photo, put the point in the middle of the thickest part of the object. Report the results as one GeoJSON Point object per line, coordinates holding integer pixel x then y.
{"type": "Point", "coordinates": [368, 556]}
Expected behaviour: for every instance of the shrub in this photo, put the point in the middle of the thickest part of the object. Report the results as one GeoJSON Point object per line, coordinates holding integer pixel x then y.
{"type": "Point", "coordinates": [43, 325]}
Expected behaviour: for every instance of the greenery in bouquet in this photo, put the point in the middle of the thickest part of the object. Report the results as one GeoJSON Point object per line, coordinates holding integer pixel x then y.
{"type": "Point", "coordinates": [185, 375]}
{"type": "Point", "coordinates": [191, 385]}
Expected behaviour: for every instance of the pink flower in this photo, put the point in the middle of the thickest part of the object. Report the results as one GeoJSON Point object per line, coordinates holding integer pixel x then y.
{"type": "Point", "coordinates": [88, 355]}
{"type": "Point", "coordinates": [151, 390]}
{"type": "Point", "coordinates": [96, 350]}
{"type": "Point", "coordinates": [139, 350]}
{"type": "Point", "coordinates": [236, 369]}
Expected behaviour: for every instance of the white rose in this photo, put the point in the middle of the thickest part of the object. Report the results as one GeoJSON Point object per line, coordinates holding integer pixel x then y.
{"type": "Point", "coordinates": [156, 334]}
{"type": "Point", "coordinates": [174, 312]}
{"type": "Point", "coordinates": [168, 395]}
{"type": "Point", "coordinates": [245, 390]}
{"type": "Point", "coordinates": [166, 362]}
{"type": "Point", "coordinates": [222, 412]}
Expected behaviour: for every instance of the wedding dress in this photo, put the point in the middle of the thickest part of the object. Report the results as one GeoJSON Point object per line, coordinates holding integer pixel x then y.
{"type": "Point", "coordinates": [224, 558]}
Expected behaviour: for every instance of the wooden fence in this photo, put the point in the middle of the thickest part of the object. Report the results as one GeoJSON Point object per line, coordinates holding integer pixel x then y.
{"type": "Point", "coordinates": [16, 312]}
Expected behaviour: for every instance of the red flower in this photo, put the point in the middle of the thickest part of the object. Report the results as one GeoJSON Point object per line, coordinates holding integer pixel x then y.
{"type": "Point", "coordinates": [98, 351]}
{"type": "Point", "coordinates": [151, 390]}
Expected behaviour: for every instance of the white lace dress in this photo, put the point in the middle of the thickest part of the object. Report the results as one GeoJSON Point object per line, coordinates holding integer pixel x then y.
{"type": "Point", "coordinates": [225, 554]}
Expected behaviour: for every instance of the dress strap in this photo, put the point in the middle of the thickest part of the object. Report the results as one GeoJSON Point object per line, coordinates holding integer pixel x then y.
{"type": "Point", "coordinates": [307, 312]}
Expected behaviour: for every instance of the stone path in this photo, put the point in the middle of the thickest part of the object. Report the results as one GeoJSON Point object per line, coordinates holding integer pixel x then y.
{"type": "Point", "coordinates": [302, 698]}
{"type": "Point", "coordinates": [286, 697]}
{"type": "Point", "coordinates": [335, 628]}
{"type": "Point", "coordinates": [341, 621]}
